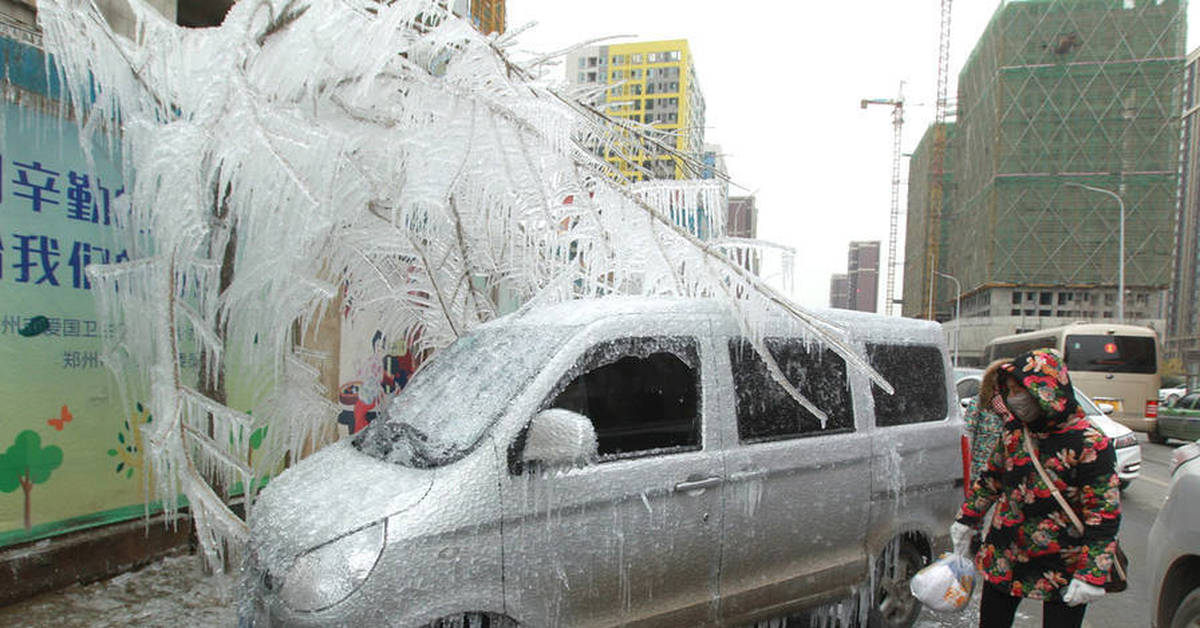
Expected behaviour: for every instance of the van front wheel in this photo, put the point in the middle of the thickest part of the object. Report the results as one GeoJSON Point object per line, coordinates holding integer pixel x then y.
{"type": "Point", "coordinates": [894, 605]}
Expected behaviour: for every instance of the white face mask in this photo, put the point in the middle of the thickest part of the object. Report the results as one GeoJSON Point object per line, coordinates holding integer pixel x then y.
{"type": "Point", "coordinates": [1024, 406]}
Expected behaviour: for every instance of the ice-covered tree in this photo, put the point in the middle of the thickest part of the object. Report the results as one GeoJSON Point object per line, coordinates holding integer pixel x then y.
{"type": "Point", "coordinates": [384, 150]}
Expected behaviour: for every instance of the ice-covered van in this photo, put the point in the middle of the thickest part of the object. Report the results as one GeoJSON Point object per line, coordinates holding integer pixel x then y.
{"type": "Point", "coordinates": [624, 461]}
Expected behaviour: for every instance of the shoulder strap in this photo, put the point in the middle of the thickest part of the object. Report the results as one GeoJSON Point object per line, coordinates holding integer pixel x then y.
{"type": "Point", "coordinates": [1062, 501]}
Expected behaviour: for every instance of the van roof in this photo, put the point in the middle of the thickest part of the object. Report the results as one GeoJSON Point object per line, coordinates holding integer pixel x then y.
{"type": "Point", "coordinates": [579, 312]}
{"type": "Point", "coordinates": [585, 311]}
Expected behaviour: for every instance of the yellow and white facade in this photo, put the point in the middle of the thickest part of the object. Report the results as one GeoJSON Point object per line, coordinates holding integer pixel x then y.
{"type": "Point", "coordinates": [654, 83]}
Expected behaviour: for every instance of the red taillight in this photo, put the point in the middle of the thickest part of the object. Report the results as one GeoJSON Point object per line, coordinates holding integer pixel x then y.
{"type": "Point", "coordinates": [966, 461]}
{"type": "Point", "coordinates": [1152, 408]}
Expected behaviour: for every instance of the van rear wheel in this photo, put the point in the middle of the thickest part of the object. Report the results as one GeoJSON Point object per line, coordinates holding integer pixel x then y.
{"type": "Point", "coordinates": [894, 605]}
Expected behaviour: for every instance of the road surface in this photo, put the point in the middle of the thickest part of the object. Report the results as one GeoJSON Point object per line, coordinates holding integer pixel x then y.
{"type": "Point", "coordinates": [173, 592]}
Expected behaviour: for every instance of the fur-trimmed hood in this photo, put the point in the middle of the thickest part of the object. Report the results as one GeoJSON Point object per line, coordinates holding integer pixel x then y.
{"type": "Point", "coordinates": [989, 384]}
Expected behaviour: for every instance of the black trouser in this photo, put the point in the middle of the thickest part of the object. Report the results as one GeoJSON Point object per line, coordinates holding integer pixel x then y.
{"type": "Point", "coordinates": [997, 609]}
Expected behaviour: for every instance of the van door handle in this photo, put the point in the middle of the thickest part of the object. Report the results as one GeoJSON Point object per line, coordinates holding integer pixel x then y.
{"type": "Point", "coordinates": [698, 485]}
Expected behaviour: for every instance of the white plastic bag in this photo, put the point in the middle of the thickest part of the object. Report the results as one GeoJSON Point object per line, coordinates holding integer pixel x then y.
{"type": "Point", "coordinates": [946, 584]}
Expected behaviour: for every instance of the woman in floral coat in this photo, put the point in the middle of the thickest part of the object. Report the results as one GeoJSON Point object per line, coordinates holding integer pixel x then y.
{"type": "Point", "coordinates": [1032, 550]}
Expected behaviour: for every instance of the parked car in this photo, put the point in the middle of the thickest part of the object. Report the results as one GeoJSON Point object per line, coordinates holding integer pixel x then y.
{"type": "Point", "coordinates": [1173, 554]}
{"type": "Point", "coordinates": [623, 462]}
{"type": "Point", "coordinates": [1179, 420]}
{"type": "Point", "coordinates": [1167, 396]}
{"type": "Point", "coordinates": [1125, 442]}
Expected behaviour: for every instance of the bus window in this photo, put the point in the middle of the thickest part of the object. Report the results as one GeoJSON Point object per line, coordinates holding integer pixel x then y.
{"type": "Point", "coordinates": [1114, 354]}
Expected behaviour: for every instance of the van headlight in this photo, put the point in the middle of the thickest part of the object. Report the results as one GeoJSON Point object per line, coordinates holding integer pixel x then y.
{"type": "Point", "coordinates": [326, 575]}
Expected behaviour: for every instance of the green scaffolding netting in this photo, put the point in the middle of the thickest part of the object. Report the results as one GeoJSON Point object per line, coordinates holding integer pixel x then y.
{"type": "Point", "coordinates": [1057, 91]}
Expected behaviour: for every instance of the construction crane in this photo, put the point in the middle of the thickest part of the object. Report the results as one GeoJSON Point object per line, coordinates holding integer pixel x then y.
{"type": "Point", "coordinates": [933, 222]}
{"type": "Point", "coordinates": [897, 105]}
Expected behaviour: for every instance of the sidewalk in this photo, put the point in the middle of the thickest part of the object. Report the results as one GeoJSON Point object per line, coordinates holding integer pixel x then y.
{"type": "Point", "coordinates": [170, 592]}
{"type": "Point", "coordinates": [175, 592]}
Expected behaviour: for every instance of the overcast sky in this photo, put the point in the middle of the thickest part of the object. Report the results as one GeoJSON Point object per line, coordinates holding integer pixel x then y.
{"type": "Point", "coordinates": [782, 82]}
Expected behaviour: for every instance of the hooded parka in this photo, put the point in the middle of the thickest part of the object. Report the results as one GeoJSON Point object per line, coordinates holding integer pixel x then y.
{"type": "Point", "coordinates": [1031, 549]}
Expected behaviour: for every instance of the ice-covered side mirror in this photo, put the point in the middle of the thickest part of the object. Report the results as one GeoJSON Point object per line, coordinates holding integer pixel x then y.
{"type": "Point", "coordinates": [1106, 408]}
{"type": "Point", "coordinates": [560, 437]}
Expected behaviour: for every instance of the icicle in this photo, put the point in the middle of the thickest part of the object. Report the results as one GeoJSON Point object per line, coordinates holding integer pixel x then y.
{"type": "Point", "coordinates": [419, 172]}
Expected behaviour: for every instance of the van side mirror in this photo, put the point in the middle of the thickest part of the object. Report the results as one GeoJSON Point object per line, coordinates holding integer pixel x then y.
{"type": "Point", "coordinates": [560, 437]}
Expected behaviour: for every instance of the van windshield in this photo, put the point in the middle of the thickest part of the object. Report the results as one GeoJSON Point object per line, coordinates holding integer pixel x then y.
{"type": "Point", "coordinates": [457, 395]}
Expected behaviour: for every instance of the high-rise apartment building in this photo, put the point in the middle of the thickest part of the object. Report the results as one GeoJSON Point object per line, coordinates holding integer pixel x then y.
{"type": "Point", "coordinates": [839, 291]}
{"type": "Point", "coordinates": [741, 221]}
{"type": "Point", "coordinates": [713, 163]}
{"type": "Point", "coordinates": [1057, 94]}
{"type": "Point", "coordinates": [858, 287]}
{"type": "Point", "coordinates": [918, 229]}
{"type": "Point", "coordinates": [1182, 339]}
{"type": "Point", "coordinates": [652, 83]}
{"type": "Point", "coordinates": [488, 16]}
{"type": "Point", "coordinates": [862, 270]}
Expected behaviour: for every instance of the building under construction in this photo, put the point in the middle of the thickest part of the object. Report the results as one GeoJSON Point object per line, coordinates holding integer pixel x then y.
{"type": "Point", "coordinates": [917, 276]}
{"type": "Point", "coordinates": [489, 16]}
{"type": "Point", "coordinates": [1182, 340]}
{"type": "Point", "coordinates": [1057, 94]}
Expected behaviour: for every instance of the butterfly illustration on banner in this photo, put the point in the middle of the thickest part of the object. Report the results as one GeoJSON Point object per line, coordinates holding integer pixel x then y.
{"type": "Point", "coordinates": [64, 417]}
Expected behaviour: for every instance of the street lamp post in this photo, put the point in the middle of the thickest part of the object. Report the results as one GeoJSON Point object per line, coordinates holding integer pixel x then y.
{"type": "Point", "coordinates": [957, 311]}
{"type": "Point", "coordinates": [1120, 247]}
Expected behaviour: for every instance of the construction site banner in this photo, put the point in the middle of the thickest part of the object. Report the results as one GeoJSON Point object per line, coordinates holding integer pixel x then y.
{"type": "Point", "coordinates": [70, 457]}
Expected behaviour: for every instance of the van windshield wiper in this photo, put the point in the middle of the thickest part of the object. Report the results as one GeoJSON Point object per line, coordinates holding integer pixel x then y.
{"type": "Point", "coordinates": [425, 452]}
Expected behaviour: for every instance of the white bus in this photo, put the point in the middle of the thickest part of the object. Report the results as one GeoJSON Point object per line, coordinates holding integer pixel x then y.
{"type": "Point", "coordinates": [1113, 364]}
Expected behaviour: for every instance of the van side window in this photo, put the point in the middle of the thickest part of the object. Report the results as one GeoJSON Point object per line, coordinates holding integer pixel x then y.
{"type": "Point", "coordinates": [642, 395]}
{"type": "Point", "coordinates": [766, 412]}
{"type": "Point", "coordinates": [918, 376]}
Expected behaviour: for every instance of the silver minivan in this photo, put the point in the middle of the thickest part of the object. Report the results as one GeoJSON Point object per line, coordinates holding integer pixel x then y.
{"type": "Point", "coordinates": [623, 461]}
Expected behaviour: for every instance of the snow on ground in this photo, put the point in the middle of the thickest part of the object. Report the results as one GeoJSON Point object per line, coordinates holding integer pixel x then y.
{"type": "Point", "coordinates": [170, 592]}
{"type": "Point", "coordinates": [175, 592]}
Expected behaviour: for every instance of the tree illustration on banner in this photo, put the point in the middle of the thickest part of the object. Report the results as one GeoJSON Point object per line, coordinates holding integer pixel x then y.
{"type": "Point", "coordinates": [26, 463]}
{"type": "Point", "coordinates": [130, 455]}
